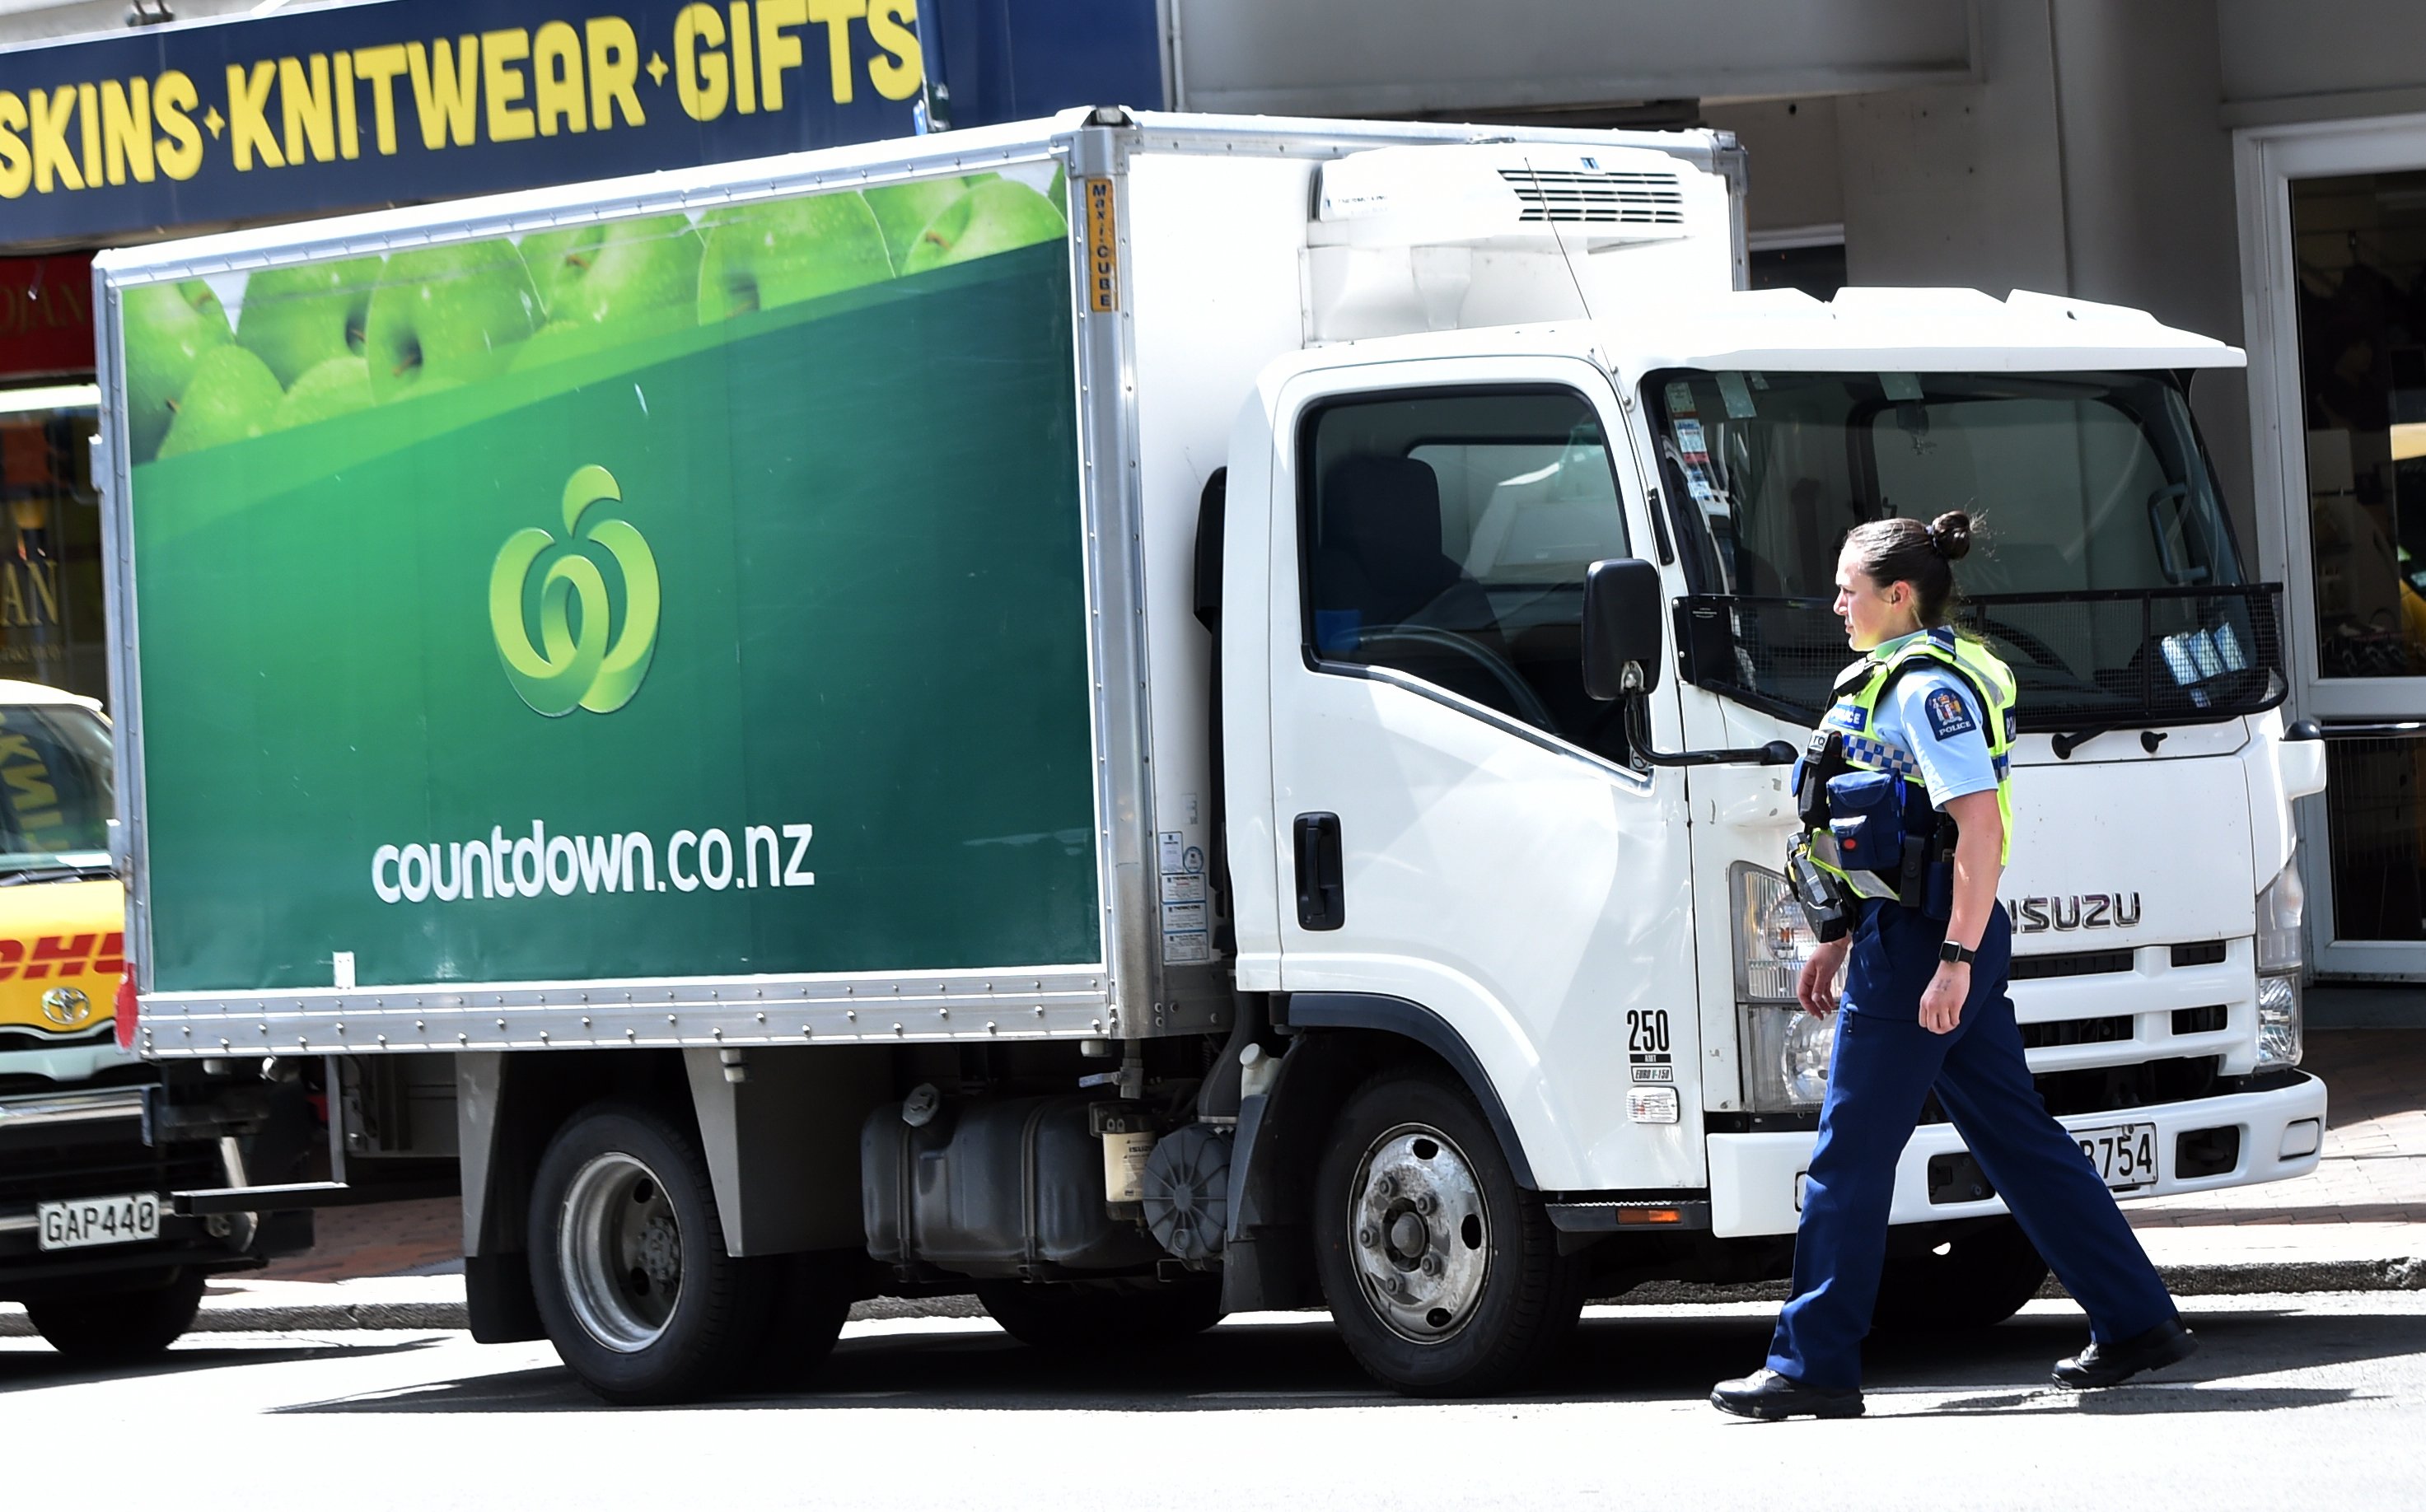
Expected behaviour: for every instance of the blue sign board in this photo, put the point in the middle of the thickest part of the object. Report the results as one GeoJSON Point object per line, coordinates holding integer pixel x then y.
{"type": "Point", "coordinates": [307, 112]}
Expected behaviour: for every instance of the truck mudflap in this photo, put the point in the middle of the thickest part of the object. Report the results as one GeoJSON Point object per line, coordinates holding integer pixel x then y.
{"type": "Point", "coordinates": [1756, 1179]}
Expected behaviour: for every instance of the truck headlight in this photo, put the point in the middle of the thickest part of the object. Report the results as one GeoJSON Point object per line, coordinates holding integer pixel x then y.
{"type": "Point", "coordinates": [2282, 911]}
{"type": "Point", "coordinates": [2278, 1022]}
{"type": "Point", "coordinates": [1785, 1049]}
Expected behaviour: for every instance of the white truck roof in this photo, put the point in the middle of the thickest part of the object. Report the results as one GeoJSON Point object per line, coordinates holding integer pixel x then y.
{"type": "Point", "coordinates": [1886, 329]}
{"type": "Point", "coordinates": [12, 691]}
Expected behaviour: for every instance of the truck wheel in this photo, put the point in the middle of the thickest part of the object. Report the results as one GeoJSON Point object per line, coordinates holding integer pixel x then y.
{"type": "Point", "coordinates": [1443, 1274]}
{"type": "Point", "coordinates": [119, 1327]}
{"type": "Point", "coordinates": [808, 1300]}
{"type": "Point", "coordinates": [628, 1263]}
{"type": "Point", "coordinates": [1090, 1318]}
{"type": "Point", "coordinates": [1979, 1280]}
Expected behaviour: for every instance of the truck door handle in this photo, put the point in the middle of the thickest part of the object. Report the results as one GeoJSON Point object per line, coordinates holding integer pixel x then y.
{"type": "Point", "coordinates": [1321, 894]}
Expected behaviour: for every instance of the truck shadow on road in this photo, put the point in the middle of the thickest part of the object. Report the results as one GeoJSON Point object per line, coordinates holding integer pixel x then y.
{"type": "Point", "coordinates": [1263, 1365]}
{"type": "Point", "coordinates": [35, 1369]}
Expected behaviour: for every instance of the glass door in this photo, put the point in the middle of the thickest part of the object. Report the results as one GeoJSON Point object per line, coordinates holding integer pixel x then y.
{"type": "Point", "coordinates": [2335, 233]}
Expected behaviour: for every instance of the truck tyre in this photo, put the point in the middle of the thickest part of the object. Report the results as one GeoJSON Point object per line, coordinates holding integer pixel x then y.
{"type": "Point", "coordinates": [1097, 1318]}
{"type": "Point", "coordinates": [808, 1300]}
{"type": "Point", "coordinates": [1442, 1273]}
{"type": "Point", "coordinates": [1982, 1279]}
{"type": "Point", "coordinates": [120, 1327]}
{"type": "Point", "coordinates": [628, 1263]}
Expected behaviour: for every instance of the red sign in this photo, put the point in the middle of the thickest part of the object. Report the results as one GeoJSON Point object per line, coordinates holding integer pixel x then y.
{"type": "Point", "coordinates": [45, 316]}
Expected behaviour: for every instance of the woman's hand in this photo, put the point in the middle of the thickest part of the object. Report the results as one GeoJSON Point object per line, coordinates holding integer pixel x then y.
{"type": "Point", "coordinates": [1816, 985]}
{"type": "Point", "coordinates": [1941, 1002]}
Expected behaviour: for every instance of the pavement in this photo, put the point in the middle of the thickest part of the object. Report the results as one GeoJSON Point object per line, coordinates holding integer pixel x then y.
{"type": "Point", "coordinates": [2292, 1403]}
{"type": "Point", "coordinates": [2357, 1224]}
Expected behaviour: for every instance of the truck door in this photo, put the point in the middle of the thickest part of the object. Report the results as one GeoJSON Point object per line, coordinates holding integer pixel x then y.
{"type": "Point", "coordinates": [1460, 833]}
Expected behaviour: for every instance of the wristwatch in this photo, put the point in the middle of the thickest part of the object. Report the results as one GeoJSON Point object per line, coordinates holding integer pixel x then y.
{"type": "Point", "coordinates": [1949, 951]}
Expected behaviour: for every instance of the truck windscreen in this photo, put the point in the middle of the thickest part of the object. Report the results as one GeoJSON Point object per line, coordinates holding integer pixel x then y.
{"type": "Point", "coordinates": [55, 790]}
{"type": "Point", "coordinates": [2108, 578]}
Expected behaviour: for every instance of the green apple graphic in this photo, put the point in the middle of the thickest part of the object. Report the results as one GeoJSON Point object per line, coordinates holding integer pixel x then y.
{"type": "Point", "coordinates": [902, 209]}
{"type": "Point", "coordinates": [296, 318]}
{"type": "Point", "coordinates": [995, 217]}
{"type": "Point", "coordinates": [609, 273]}
{"type": "Point", "coordinates": [775, 254]}
{"type": "Point", "coordinates": [168, 327]}
{"type": "Point", "coordinates": [339, 386]}
{"type": "Point", "coordinates": [230, 397]}
{"type": "Point", "coordinates": [445, 316]}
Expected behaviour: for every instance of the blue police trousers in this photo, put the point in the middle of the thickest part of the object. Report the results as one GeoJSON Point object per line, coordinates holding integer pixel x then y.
{"type": "Point", "coordinates": [1883, 1067]}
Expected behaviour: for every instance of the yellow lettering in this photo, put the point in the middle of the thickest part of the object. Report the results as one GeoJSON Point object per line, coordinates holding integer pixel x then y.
{"type": "Point", "coordinates": [310, 116]}
{"type": "Point", "coordinates": [89, 125]}
{"type": "Point", "coordinates": [126, 130]}
{"type": "Point", "coordinates": [500, 51]}
{"type": "Point", "coordinates": [12, 614]}
{"type": "Point", "coordinates": [447, 96]}
{"type": "Point", "coordinates": [350, 126]}
{"type": "Point", "coordinates": [777, 48]}
{"type": "Point", "coordinates": [899, 75]}
{"type": "Point", "coordinates": [702, 77]}
{"type": "Point", "coordinates": [16, 164]}
{"type": "Point", "coordinates": [556, 79]}
{"type": "Point", "coordinates": [173, 97]}
{"type": "Point", "coordinates": [44, 576]}
{"type": "Point", "coordinates": [745, 73]}
{"type": "Point", "coordinates": [51, 157]}
{"type": "Point", "coordinates": [614, 65]}
{"type": "Point", "coordinates": [835, 16]}
{"type": "Point", "coordinates": [28, 789]}
{"type": "Point", "coordinates": [249, 115]}
{"type": "Point", "coordinates": [379, 66]}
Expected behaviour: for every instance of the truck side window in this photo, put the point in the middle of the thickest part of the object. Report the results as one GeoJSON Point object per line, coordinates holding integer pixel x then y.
{"type": "Point", "coordinates": [1445, 535]}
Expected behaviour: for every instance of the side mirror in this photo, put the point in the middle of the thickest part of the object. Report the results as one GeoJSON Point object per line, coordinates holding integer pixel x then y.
{"type": "Point", "coordinates": [1622, 605]}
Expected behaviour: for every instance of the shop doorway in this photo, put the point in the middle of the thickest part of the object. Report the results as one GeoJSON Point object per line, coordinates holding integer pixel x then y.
{"type": "Point", "coordinates": [2333, 223]}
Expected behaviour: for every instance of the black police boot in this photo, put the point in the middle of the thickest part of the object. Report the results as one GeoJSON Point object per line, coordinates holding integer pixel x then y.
{"type": "Point", "coordinates": [1770, 1396]}
{"type": "Point", "coordinates": [2167, 1343]}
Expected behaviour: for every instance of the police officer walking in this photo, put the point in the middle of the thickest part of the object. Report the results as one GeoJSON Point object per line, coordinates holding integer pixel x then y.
{"type": "Point", "coordinates": [1905, 796]}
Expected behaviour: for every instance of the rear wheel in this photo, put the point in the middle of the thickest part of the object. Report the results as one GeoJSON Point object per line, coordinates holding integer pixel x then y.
{"type": "Point", "coordinates": [1974, 1281]}
{"type": "Point", "coordinates": [628, 1262]}
{"type": "Point", "coordinates": [1088, 1317]}
{"type": "Point", "coordinates": [1443, 1274]}
{"type": "Point", "coordinates": [119, 1327]}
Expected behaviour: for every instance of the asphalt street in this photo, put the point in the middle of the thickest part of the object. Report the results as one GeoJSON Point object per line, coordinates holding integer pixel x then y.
{"type": "Point", "coordinates": [2295, 1401]}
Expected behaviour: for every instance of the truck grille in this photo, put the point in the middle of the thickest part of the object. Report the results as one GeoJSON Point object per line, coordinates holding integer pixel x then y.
{"type": "Point", "coordinates": [1577, 197]}
{"type": "Point", "coordinates": [2079, 963]}
{"type": "Point", "coordinates": [50, 1175]}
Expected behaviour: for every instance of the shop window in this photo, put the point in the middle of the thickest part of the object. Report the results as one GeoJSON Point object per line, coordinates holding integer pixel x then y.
{"type": "Point", "coordinates": [50, 540]}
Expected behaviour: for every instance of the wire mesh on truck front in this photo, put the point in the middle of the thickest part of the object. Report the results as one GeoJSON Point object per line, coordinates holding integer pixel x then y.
{"type": "Point", "coordinates": [2102, 657]}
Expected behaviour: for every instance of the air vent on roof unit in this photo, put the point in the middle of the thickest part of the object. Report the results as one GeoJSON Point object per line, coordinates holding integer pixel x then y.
{"type": "Point", "coordinates": [1573, 197]}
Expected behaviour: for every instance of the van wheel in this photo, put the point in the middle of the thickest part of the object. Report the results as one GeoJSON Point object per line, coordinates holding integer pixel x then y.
{"type": "Point", "coordinates": [1443, 1274]}
{"type": "Point", "coordinates": [1982, 1278]}
{"type": "Point", "coordinates": [628, 1262]}
{"type": "Point", "coordinates": [1090, 1318]}
{"type": "Point", "coordinates": [120, 1327]}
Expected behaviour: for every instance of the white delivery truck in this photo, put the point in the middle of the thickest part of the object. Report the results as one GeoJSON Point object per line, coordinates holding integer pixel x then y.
{"type": "Point", "coordinates": [1045, 711]}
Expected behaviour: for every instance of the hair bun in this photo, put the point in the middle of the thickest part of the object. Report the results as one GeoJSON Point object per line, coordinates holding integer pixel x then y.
{"type": "Point", "coordinates": [1951, 534]}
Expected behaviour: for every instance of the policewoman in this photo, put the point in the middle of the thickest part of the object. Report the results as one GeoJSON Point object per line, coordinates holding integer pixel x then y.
{"type": "Point", "coordinates": [1905, 796]}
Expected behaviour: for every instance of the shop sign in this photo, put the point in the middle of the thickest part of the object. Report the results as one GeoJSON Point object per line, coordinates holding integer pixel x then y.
{"type": "Point", "coordinates": [45, 315]}
{"type": "Point", "coordinates": [304, 112]}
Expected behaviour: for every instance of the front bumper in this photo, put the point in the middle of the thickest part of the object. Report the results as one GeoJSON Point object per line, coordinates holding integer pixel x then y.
{"type": "Point", "coordinates": [1755, 1178]}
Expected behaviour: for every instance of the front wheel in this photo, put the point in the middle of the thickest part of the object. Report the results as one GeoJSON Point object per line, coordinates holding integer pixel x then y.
{"type": "Point", "coordinates": [120, 1327]}
{"type": "Point", "coordinates": [628, 1262]}
{"type": "Point", "coordinates": [1442, 1273]}
{"type": "Point", "coordinates": [1974, 1281]}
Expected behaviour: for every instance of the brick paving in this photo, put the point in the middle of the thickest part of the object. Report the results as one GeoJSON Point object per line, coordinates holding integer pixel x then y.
{"type": "Point", "coordinates": [2373, 1171]}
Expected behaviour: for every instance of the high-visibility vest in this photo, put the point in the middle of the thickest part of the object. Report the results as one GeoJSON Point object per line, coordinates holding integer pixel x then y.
{"type": "Point", "coordinates": [1854, 718]}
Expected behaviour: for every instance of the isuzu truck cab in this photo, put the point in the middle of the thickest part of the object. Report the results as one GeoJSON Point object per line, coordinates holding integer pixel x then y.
{"type": "Point", "coordinates": [1219, 743]}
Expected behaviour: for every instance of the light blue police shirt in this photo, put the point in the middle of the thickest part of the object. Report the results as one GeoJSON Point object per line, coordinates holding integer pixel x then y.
{"type": "Point", "coordinates": [1932, 719]}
